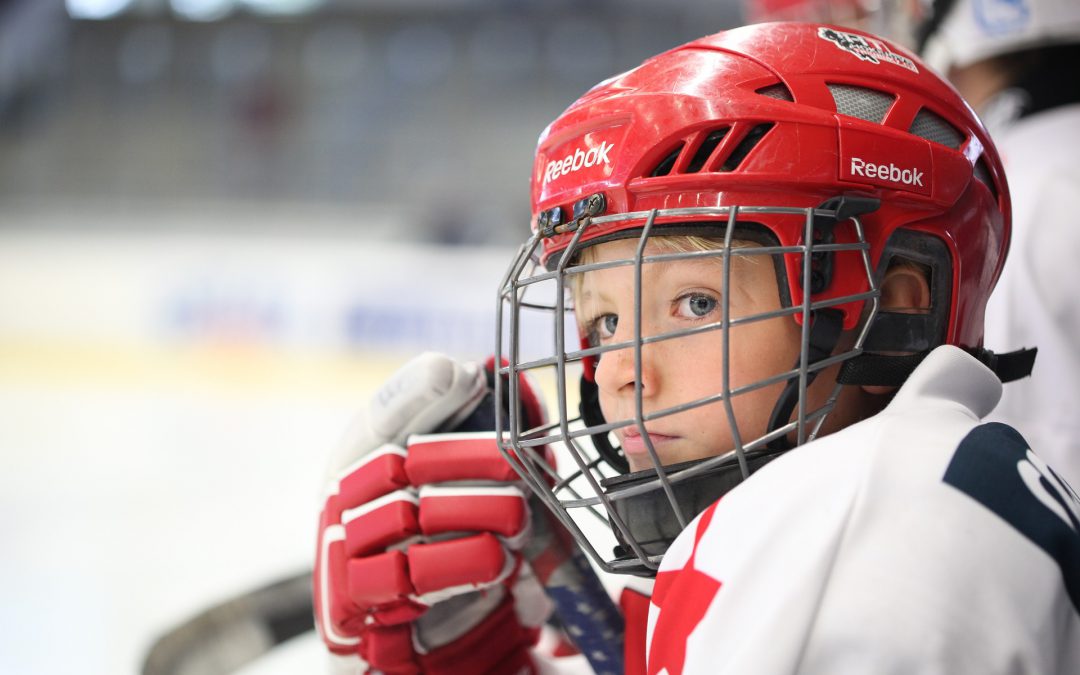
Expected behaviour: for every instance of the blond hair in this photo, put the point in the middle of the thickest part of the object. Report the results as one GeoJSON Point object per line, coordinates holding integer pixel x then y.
{"type": "Point", "coordinates": [679, 243]}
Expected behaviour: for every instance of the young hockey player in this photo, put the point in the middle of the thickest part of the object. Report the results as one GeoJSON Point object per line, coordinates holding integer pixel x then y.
{"type": "Point", "coordinates": [777, 243]}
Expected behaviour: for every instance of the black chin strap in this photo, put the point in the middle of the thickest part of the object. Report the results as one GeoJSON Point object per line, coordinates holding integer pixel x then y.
{"type": "Point", "coordinates": [825, 328]}
{"type": "Point", "coordinates": [892, 371]}
{"type": "Point", "coordinates": [878, 369]}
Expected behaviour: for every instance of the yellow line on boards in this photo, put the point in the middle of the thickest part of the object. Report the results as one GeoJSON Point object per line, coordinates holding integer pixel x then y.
{"type": "Point", "coordinates": [233, 368]}
{"type": "Point", "coordinates": [225, 369]}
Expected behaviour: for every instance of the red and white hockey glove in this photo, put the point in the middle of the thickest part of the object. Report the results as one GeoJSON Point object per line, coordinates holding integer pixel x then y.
{"type": "Point", "coordinates": [419, 566]}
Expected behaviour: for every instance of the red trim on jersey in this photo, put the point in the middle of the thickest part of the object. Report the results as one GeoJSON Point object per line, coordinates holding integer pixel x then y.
{"type": "Point", "coordinates": [692, 592]}
{"type": "Point", "coordinates": [664, 579]}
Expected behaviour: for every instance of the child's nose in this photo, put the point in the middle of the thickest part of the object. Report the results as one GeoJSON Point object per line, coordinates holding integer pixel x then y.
{"type": "Point", "coordinates": [617, 372]}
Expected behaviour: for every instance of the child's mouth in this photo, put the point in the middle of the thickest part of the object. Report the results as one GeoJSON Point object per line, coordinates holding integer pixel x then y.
{"type": "Point", "coordinates": [633, 443]}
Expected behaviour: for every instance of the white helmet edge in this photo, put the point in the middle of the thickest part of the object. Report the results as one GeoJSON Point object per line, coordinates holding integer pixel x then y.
{"type": "Point", "coordinates": [975, 30]}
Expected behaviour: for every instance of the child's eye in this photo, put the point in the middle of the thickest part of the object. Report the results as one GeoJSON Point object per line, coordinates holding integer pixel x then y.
{"type": "Point", "coordinates": [603, 327]}
{"type": "Point", "coordinates": [607, 325]}
{"type": "Point", "coordinates": [696, 305]}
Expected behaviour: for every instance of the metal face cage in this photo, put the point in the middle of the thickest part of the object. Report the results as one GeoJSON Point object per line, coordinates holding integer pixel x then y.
{"type": "Point", "coordinates": [638, 514]}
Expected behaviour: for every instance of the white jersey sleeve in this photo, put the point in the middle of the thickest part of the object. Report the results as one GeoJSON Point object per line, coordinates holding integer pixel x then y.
{"type": "Point", "coordinates": [918, 541]}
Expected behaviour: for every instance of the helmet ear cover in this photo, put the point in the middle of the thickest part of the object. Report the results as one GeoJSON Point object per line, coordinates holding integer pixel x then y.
{"type": "Point", "coordinates": [898, 341]}
{"type": "Point", "coordinates": [908, 331]}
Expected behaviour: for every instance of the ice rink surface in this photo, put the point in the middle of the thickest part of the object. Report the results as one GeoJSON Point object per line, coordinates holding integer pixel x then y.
{"type": "Point", "coordinates": [168, 404]}
{"type": "Point", "coordinates": [125, 512]}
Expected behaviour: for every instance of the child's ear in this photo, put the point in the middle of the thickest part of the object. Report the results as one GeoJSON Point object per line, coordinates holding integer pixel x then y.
{"type": "Point", "coordinates": [904, 289]}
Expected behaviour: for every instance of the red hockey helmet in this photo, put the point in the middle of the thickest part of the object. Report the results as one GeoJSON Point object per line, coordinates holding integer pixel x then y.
{"type": "Point", "coordinates": [836, 150]}
{"type": "Point", "coordinates": [788, 114]}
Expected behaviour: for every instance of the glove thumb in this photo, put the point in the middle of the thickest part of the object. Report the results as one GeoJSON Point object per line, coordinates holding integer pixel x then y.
{"type": "Point", "coordinates": [430, 393]}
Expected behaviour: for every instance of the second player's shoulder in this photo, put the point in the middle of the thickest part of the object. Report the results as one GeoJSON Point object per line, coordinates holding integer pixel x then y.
{"type": "Point", "coordinates": [1040, 142]}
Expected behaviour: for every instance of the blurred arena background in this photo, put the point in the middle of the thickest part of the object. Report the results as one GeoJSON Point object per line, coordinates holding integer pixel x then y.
{"type": "Point", "coordinates": [222, 223]}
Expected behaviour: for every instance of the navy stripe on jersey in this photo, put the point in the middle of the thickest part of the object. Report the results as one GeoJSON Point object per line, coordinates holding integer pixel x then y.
{"type": "Point", "coordinates": [994, 466]}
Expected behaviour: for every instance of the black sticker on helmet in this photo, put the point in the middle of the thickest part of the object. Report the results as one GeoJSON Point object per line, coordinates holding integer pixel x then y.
{"type": "Point", "coordinates": [867, 49]}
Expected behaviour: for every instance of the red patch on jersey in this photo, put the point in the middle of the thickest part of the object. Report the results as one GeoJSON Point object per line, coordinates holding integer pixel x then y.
{"type": "Point", "coordinates": [691, 592]}
{"type": "Point", "coordinates": [694, 592]}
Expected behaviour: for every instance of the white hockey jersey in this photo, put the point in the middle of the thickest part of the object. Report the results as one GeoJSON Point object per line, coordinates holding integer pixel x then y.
{"type": "Point", "coordinates": [917, 542]}
{"type": "Point", "coordinates": [1035, 302]}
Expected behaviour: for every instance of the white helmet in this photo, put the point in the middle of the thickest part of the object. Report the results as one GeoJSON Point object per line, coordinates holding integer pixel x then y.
{"type": "Point", "coordinates": [959, 33]}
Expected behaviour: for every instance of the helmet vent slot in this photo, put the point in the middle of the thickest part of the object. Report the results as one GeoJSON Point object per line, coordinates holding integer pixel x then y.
{"type": "Point", "coordinates": [982, 174]}
{"type": "Point", "coordinates": [706, 149]}
{"type": "Point", "coordinates": [748, 143]}
{"type": "Point", "coordinates": [865, 104]}
{"type": "Point", "coordinates": [777, 91]}
{"type": "Point", "coordinates": [666, 164]}
{"type": "Point", "coordinates": [933, 128]}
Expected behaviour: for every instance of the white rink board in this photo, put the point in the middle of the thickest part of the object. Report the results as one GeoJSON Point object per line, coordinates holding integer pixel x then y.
{"type": "Point", "coordinates": [168, 402]}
